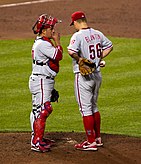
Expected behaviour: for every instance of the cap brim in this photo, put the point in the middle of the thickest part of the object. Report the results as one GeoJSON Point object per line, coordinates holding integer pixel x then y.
{"type": "Point", "coordinates": [72, 23]}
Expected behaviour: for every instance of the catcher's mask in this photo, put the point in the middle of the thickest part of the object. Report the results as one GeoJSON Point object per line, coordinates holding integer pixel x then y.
{"type": "Point", "coordinates": [44, 21]}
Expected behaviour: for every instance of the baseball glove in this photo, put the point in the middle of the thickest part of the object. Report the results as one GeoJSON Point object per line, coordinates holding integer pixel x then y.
{"type": "Point", "coordinates": [54, 95]}
{"type": "Point", "coordinates": [86, 67]}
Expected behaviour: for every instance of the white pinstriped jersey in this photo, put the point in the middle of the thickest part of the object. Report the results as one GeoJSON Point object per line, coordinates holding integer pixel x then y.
{"type": "Point", "coordinates": [88, 43]}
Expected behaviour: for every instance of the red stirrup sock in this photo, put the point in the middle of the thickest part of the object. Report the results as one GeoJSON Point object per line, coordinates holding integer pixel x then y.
{"type": "Point", "coordinates": [88, 122]}
{"type": "Point", "coordinates": [97, 121]}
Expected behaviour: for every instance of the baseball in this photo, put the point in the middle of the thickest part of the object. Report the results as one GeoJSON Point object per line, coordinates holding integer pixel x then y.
{"type": "Point", "coordinates": [102, 63]}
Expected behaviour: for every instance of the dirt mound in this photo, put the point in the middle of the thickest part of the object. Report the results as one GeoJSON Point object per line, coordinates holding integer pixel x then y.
{"type": "Point", "coordinates": [117, 149]}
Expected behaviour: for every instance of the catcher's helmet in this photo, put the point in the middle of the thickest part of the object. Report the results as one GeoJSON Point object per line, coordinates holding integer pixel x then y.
{"type": "Point", "coordinates": [44, 21]}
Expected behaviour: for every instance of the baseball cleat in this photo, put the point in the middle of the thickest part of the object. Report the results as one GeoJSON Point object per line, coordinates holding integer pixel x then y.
{"type": "Point", "coordinates": [86, 146]}
{"type": "Point", "coordinates": [40, 147]}
{"type": "Point", "coordinates": [48, 141]}
{"type": "Point", "coordinates": [99, 142]}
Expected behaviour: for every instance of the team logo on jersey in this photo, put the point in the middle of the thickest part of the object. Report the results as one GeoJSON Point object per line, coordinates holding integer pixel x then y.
{"type": "Point", "coordinates": [72, 42]}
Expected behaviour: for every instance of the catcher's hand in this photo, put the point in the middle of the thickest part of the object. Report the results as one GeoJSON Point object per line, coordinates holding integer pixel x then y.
{"type": "Point", "coordinates": [86, 67]}
{"type": "Point", "coordinates": [54, 95]}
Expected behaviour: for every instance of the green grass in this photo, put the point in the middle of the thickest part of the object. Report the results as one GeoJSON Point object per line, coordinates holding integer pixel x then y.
{"type": "Point", "coordinates": [119, 97]}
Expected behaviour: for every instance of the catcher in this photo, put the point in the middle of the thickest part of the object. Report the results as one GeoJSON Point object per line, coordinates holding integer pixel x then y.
{"type": "Point", "coordinates": [45, 57]}
{"type": "Point", "coordinates": [87, 48]}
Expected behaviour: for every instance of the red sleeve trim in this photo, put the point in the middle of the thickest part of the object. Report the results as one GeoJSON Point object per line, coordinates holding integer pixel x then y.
{"type": "Point", "coordinates": [58, 55]}
{"type": "Point", "coordinates": [108, 47]}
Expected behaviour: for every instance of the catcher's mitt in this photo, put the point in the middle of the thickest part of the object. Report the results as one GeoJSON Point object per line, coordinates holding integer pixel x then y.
{"type": "Point", "coordinates": [86, 67]}
{"type": "Point", "coordinates": [54, 95]}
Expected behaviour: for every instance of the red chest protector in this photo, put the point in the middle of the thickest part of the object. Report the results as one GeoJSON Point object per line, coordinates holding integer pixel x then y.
{"type": "Point", "coordinates": [54, 65]}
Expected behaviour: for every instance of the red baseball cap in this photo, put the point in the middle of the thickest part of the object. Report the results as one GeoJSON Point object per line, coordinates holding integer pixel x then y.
{"type": "Point", "coordinates": [77, 15]}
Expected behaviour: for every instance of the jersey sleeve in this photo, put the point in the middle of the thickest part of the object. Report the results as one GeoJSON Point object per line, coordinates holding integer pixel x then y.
{"type": "Point", "coordinates": [74, 44]}
{"type": "Point", "coordinates": [50, 51]}
{"type": "Point", "coordinates": [105, 42]}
